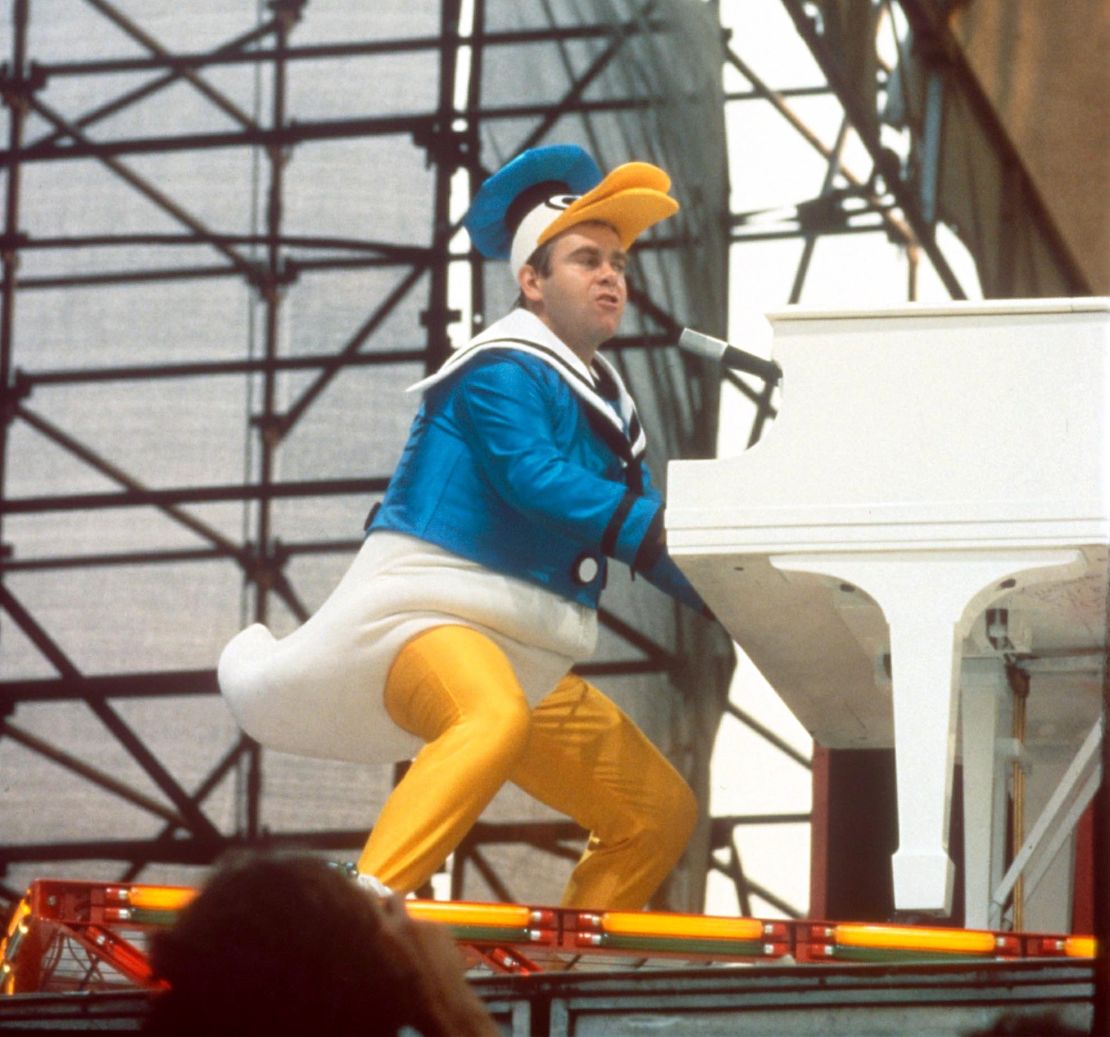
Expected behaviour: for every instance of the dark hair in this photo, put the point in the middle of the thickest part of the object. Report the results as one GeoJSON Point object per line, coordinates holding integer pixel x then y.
{"type": "Point", "coordinates": [278, 945]}
{"type": "Point", "coordinates": [540, 261]}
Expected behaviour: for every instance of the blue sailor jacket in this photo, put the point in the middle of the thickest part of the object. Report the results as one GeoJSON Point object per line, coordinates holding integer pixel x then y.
{"type": "Point", "coordinates": [515, 462]}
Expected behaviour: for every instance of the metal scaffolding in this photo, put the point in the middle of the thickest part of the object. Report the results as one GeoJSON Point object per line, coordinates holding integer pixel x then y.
{"type": "Point", "coordinates": [593, 88]}
{"type": "Point", "coordinates": [271, 259]}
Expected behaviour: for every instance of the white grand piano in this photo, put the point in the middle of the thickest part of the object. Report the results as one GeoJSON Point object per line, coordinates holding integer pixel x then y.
{"type": "Point", "coordinates": [931, 504]}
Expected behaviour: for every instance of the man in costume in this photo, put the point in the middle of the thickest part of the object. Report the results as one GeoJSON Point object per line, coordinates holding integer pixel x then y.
{"type": "Point", "coordinates": [478, 585]}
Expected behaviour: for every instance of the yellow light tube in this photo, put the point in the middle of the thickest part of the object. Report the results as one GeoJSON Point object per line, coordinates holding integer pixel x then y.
{"type": "Point", "coordinates": [1080, 947]}
{"type": "Point", "coordinates": [18, 921]}
{"type": "Point", "coordinates": [912, 938]}
{"type": "Point", "coordinates": [515, 916]}
{"type": "Point", "coordinates": [160, 898]}
{"type": "Point", "coordinates": [17, 929]}
{"type": "Point", "coordinates": [650, 923]}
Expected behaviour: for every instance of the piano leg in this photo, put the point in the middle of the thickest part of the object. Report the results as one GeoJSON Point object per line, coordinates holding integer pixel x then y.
{"type": "Point", "coordinates": [930, 599]}
{"type": "Point", "coordinates": [984, 699]}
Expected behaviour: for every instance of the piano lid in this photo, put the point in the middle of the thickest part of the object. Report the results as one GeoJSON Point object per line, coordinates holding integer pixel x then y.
{"type": "Point", "coordinates": [955, 308]}
{"type": "Point", "coordinates": [968, 424]}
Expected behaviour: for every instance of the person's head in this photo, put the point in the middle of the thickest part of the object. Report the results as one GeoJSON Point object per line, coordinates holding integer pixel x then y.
{"type": "Point", "coordinates": [525, 210]}
{"type": "Point", "coordinates": [279, 945]}
{"type": "Point", "coordinates": [575, 284]}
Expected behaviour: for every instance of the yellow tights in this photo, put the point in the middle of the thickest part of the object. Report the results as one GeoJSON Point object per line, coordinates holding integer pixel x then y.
{"type": "Point", "coordinates": [574, 751]}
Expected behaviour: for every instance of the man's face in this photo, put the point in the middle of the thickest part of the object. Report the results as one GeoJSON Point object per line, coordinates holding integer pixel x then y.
{"type": "Point", "coordinates": [582, 298]}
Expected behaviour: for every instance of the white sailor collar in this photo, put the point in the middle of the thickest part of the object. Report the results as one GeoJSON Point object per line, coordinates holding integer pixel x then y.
{"type": "Point", "coordinates": [524, 331]}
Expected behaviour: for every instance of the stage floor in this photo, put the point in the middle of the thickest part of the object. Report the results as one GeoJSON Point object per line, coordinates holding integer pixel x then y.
{"type": "Point", "coordinates": [759, 1000]}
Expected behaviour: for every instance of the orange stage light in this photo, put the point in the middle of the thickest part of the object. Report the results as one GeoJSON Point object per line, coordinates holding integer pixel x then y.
{"type": "Point", "coordinates": [918, 938]}
{"type": "Point", "coordinates": [654, 923]}
{"type": "Point", "coordinates": [155, 898]}
{"type": "Point", "coordinates": [508, 916]}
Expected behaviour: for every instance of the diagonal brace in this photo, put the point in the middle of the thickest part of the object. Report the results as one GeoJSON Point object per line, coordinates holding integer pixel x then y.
{"type": "Point", "coordinates": [115, 724]}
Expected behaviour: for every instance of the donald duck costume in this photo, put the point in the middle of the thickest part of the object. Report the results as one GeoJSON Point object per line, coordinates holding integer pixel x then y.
{"type": "Point", "coordinates": [453, 633]}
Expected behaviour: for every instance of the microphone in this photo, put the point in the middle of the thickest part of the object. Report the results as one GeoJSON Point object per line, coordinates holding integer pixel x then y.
{"type": "Point", "coordinates": [731, 357]}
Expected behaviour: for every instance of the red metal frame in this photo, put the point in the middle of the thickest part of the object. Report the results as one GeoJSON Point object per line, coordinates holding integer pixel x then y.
{"type": "Point", "coordinates": [69, 936]}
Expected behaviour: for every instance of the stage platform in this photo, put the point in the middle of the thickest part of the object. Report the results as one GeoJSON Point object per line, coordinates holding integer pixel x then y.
{"type": "Point", "coordinates": [74, 959]}
{"type": "Point", "coordinates": [764, 1001]}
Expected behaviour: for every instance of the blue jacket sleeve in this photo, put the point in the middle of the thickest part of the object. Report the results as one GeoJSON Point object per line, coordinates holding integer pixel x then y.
{"type": "Point", "coordinates": [656, 565]}
{"type": "Point", "coordinates": [506, 414]}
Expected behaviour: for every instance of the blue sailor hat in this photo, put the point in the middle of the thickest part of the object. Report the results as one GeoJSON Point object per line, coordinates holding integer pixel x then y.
{"type": "Point", "coordinates": [517, 187]}
{"type": "Point", "coordinates": [546, 190]}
